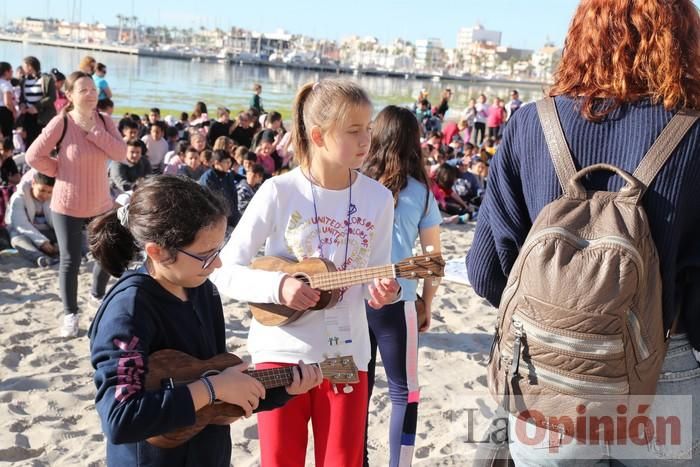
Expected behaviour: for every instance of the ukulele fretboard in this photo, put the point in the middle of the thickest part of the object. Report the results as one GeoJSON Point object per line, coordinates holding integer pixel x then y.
{"type": "Point", "coordinates": [274, 377]}
{"type": "Point", "coordinates": [341, 279]}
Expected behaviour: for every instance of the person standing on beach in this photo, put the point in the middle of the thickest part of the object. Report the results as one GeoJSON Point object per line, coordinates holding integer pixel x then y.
{"type": "Point", "coordinates": [482, 114]}
{"type": "Point", "coordinates": [627, 68]}
{"type": "Point", "coordinates": [81, 191]}
{"type": "Point", "coordinates": [60, 79]}
{"type": "Point", "coordinates": [101, 83]}
{"type": "Point", "coordinates": [514, 104]}
{"type": "Point", "coordinates": [395, 160]}
{"type": "Point", "coordinates": [326, 209]}
{"type": "Point", "coordinates": [444, 104]}
{"type": "Point", "coordinates": [256, 100]}
{"type": "Point", "coordinates": [7, 101]}
{"type": "Point", "coordinates": [38, 94]}
{"type": "Point", "coordinates": [168, 303]}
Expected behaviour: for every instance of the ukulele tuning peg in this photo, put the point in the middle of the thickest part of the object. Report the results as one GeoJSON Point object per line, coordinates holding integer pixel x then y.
{"type": "Point", "coordinates": [347, 389]}
{"type": "Point", "coordinates": [429, 249]}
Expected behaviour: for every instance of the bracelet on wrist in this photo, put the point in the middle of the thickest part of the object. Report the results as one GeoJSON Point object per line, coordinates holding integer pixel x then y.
{"type": "Point", "coordinates": [210, 389]}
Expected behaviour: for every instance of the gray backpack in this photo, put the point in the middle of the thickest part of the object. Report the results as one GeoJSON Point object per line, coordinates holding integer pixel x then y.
{"type": "Point", "coordinates": [580, 320]}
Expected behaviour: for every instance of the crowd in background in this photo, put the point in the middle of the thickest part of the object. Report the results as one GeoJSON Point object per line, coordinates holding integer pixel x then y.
{"type": "Point", "coordinates": [232, 154]}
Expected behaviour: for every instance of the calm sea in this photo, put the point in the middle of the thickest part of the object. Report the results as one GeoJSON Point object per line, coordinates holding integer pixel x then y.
{"type": "Point", "coordinates": [175, 85]}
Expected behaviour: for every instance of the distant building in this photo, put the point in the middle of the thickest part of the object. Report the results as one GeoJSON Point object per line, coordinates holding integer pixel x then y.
{"type": "Point", "coordinates": [430, 55]}
{"type": "Point", "coordinates": [251, 42]}
{"type": "Point", "coordinates": [96, 32]}
{"type": "Point", "coordinates": [510, 53]}
{"type": "Point", "coordinates": [36, 25]}
{"type": "Point", "coordinates": [467, 37]}
{"type": "Point", "coordinates": [545, 61]}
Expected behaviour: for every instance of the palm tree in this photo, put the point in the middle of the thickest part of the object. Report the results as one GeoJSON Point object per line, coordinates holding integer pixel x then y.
{"type": "Point", "coordinates": [133, 20]}
{"type": "Point", "coordinates": [120, 18]}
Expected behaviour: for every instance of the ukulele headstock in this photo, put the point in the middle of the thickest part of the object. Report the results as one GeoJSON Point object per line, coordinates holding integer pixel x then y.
{"type": "Point", "coordinates": [340, 370]}
{"type": "Point", "coordinates": [421, 267]}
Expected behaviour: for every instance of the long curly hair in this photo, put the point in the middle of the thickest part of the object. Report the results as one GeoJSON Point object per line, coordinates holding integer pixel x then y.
{"type": "Point", "coordinates": [619, 51]}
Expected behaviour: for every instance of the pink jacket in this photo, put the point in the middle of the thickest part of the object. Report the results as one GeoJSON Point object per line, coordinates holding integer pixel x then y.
{"type": "Point", "coordinates": [82, 183]}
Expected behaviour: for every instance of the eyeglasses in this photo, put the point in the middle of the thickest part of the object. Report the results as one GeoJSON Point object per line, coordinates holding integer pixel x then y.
{"type": "Point", "coordinates": [206, 260]}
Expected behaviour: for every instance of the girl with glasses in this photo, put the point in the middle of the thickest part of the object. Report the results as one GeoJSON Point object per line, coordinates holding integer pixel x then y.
{"type": "Point", "coordinates": [167, 303]}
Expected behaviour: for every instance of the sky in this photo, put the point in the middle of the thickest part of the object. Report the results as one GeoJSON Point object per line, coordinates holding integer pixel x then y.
{"type": "Point", "coordinates": [524, 23]}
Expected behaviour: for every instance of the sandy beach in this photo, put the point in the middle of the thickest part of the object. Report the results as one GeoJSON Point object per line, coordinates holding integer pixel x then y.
{"type": "Point", "coordinates": [47, 414]}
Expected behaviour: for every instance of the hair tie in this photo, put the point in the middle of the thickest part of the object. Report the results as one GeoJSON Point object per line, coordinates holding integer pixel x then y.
{"type": "Point", "coordinates": [123, 216]}
{"type": "Point", "coordinates": [313, 88]}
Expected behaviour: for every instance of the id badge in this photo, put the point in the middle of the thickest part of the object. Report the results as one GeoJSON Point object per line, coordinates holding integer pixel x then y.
{"type": "Point", "coordinates": [338, 328]}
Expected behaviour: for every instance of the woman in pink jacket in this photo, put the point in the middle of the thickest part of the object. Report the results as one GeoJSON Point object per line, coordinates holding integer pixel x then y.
{"type": "Point", "coordinates": [81, 191]}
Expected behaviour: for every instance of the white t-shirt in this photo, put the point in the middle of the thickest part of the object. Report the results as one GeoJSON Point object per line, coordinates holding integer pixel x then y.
{"type": "Point", "coordinates": [156, 150]}
{"type": "Point", "coordinates": [482, 112]}
{"type": "Point", "coordinates": [5, 86]}
{"type": "Point", "coordinates": [281, 215]}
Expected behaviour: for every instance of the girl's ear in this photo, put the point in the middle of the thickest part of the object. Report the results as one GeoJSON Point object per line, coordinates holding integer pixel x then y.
{"type": "Point", "coordinates": [156, 252]}
{"type": "Point", "coordinates": [317, 137]}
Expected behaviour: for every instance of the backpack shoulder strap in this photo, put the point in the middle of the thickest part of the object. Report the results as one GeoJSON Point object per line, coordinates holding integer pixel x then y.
{"type": "Point", "coordinates": [664, 146]}
{"type": "Point", "coordinates": [556, 142]}
{"type": "Point", "coordinates": [63, 133]}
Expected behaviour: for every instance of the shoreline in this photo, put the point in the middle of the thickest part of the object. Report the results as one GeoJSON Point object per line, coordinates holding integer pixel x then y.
{"type": "Point", "coordinates": [337, 69]}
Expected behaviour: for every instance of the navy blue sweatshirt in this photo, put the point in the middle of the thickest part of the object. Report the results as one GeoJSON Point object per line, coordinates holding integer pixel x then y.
{"type": "Point", "coordinates": [522, 181]}
{"type": "Point", "coordinates": [139, 317]}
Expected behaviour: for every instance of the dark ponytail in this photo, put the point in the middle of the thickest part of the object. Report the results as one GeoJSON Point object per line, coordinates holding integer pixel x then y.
{"type": "Point", "coordinates": [165, 210]}
{"type": "Point", "coordinates": [112, 244]}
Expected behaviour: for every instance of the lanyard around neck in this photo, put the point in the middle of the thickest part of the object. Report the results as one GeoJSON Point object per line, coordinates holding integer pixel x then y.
{"type": "Point", "coordinates": [349, 211]}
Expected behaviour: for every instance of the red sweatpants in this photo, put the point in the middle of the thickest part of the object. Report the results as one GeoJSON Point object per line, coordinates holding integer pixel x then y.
{"type": "Point", "coordinates": [338, 421]}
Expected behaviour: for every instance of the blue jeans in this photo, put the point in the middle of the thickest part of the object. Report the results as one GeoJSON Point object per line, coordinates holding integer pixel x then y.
{"type": "Point", "coordinates": [680, 376]}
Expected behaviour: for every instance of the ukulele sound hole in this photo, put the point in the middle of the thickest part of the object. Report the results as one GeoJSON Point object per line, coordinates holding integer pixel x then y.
{"type": "Point", "coordinates": [302, 277]}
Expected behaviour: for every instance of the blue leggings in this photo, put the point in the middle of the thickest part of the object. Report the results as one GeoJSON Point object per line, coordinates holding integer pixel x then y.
{"type": "Point", "coordinates": [394, 330]}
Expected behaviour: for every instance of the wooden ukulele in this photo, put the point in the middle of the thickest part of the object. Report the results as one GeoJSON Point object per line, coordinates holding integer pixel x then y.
{"type": "Point", "coordinates": [169, 368]}
{"type": "Point", "coordinates": [322, 275]}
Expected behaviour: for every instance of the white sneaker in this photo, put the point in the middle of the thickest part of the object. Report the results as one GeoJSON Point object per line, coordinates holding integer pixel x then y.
{"type": "Point", "coordinates": [94, 302]}
{"type": "Point", "coordinates": [70, 325]}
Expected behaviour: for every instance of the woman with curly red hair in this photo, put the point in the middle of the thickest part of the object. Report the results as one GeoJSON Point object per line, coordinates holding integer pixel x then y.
{"type": "Point", "coordinates": [627, 67]}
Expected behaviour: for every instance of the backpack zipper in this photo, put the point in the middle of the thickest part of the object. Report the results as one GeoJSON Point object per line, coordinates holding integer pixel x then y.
{"type": "Point", "coordinates": [570, 385]}
{"type": "Point", "coordinates": [607, 346]}
{"type": "Point", "coordinates": [517, 344]}
{"type": "Point", "coordinates": [585, 243]}
{"type": "Point", "coordinates": [636, 329]}
{"type": "Point", "coordinates": [581, 243]}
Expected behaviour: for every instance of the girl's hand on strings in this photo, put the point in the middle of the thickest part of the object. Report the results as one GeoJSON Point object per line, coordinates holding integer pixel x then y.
{"type": "Point", "coordinates": [383, 292]}
{"type": "Point", "coordinates": [297, 295]}
{"type": "Point", "coordinates": [304, 377]}
{"type": "Point", "coordinates": [235, 387]}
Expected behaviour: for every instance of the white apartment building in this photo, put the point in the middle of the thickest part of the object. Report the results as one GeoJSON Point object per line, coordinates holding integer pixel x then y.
{"type": "Point", "coordinates": [467, 37]}
{"type": "Point", "coordinates": [430, 55]}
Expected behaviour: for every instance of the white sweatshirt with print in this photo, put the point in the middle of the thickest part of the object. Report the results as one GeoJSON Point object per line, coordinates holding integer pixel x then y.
{"type": "Point", "coordinates": [281, 215]}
